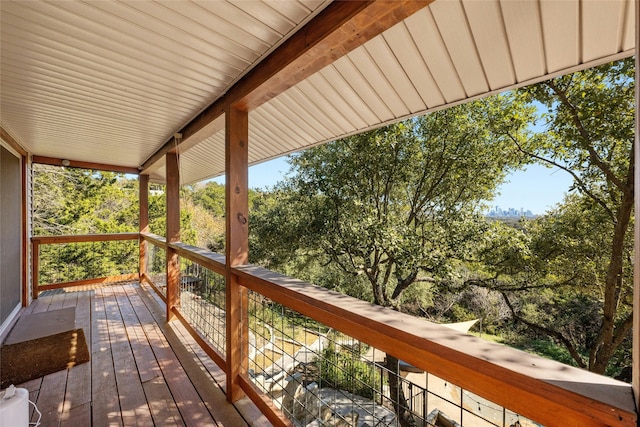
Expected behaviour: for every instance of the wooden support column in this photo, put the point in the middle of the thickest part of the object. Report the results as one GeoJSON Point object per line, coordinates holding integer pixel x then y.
{"type": "Point", "coordinates": [636, 264]}
{"type": "Point", "coordinates": [172, 193]}
{"type": "Point", "coordinates": [237, 245]}
{"type": "Point", "coordinates": [143, 200]}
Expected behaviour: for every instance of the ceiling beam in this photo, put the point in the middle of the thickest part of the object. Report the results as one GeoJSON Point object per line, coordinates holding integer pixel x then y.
{"type": "Point", "coordinates": [84, 165]}
{"type": "Point", "coordinates": [340, 28]}
{"type": "Point", "coordinates": [6, 137]}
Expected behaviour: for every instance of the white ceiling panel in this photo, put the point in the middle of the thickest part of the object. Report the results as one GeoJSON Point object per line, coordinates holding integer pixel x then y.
{"type": "Point", "coordinates": [524, 34]}
{"type": "Point", "coordinates": [629, 36]}
{"type": "Point", "coordinates": [460, 45]}
{"type": "Point", "coordinates": [561, 20]}
{"type": "Point", "coordinates": [394, 73]}
{"type": "Point", "coordinates": [489, 34]}
{"type": "Point", "coordinates": [111, 81]}
{"type": "Point", "coordinates": [408, 56]}
{"type": "Point", "coordinates": [426, 35]}
{"type": "Point", "coordinates": [604, 15]}
{"type": "Point", "coordinates": [350, 72]}
{"type": "Point", "coordinates": [371, 65]}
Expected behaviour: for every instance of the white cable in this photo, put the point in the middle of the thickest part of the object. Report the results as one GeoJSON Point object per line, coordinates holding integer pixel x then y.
{"type": "Point", "coordinates": [37, 423]}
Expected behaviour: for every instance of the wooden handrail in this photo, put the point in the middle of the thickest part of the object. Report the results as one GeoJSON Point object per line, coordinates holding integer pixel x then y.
{"type": "Point", "coordinates": [154, 239]}
{"type": "Point", "coordinates": [211, 260]}
{"type": "Point", "coordinates": [37, 241]}
{"type": "Point", "coordinates": [543, 390]}
{"type": "Point", "coordinates": [82, 238]}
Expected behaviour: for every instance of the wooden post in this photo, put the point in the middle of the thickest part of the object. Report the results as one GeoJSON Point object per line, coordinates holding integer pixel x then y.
{"type": "Point", "coordinates": [143, 200]}
{"type": "Point", "coordinates": [636, 263]}
{"type": "Point", "coordinates": [172, 193]}
{"type": "Point", "coordinates": [35, 267]}
{"type": "Point", "coordinates": [237, 245]}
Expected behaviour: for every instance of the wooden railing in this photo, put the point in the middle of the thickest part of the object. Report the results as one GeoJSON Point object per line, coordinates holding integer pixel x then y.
{"type": "Point", "coordinates": [205, 258]}
{"type": "Point", "coordinates": [75, 265]}
{"type": "Point", "coordinates": [545, 391]}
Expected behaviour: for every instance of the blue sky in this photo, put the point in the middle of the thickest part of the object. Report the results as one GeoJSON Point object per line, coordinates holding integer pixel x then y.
{"type": "Point", "coordinates": [536, 188]}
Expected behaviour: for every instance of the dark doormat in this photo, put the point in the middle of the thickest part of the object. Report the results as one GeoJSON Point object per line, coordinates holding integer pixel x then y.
{"type": "Point", "coordinates": [36, 358]}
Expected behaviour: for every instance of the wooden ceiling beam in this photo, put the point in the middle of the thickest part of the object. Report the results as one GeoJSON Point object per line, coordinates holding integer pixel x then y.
{"type": "Point", "coordinates": [6, 137]}
{"type": "Point", "coordinates": [340, 28]}
{"type": "Point", "coordinates": [84, 165]}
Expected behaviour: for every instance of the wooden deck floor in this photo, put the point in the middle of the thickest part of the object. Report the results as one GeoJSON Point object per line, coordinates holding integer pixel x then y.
{"type": "Point", "coordinates": [143, 371]}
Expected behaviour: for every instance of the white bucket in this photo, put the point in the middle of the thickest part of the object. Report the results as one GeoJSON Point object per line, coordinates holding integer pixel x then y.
{"type": "Point", "coordinates": [14, 411]}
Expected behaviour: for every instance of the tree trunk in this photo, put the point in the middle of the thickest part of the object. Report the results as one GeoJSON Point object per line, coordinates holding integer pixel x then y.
{"type": "Point", "coordinates": [604, 347]}
{"type": "Point", "coordinates": [400, 405]}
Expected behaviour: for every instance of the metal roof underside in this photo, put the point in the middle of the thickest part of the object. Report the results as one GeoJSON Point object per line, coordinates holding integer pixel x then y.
{"type": "Point", "coordinates": [110, 82]}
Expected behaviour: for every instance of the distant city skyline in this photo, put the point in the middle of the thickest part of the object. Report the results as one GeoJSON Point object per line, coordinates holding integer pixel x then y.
{"type": "Point", "coordinates": [536, 188]}
{"type": "Point", "coordinates": [499, 212]}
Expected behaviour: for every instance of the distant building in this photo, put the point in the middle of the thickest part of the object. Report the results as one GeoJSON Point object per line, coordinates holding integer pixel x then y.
{"type": "Point", "coordinates": [498, 212]}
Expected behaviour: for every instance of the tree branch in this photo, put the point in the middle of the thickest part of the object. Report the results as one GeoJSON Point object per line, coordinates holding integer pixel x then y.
{"type": "Point", "coordinates": [575, 176]}
{"type": "Point", "coordinates": [595, 158]}
{"type": "Point", "coordinates": [549, 332]}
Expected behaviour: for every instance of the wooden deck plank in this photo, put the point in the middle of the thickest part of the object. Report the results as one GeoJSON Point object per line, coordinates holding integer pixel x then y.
{"type": "Point", "coordinates": [243, 412]}
{"type": "Point", "coordinates": [163, 408]}
{"type": "Point", "coordinates": [42, 304]}
{"type": "Point", "coordinates": [229, 414]}
{"type": "Point", "coordinates": [29, 309]}
{"type": "Point", "coordinates": [77, 416]}
{"type": "Point", "coordinates": [57, 301]}
{"type": "Point", "coordinates": [248, 411]}
{"type": "Point", "coordinates": [104, 393]}
{"type": "Point", "coordinates": [148, 367]}
{"type": "Point", "coordinates": [49, 398]}
{"type": "Point", "coordinates": [78, 389]}
{"type": "Point", "coordinates": [106, 405]}
{"type": "Point", "coordinates": [99, 326]}
{"type": "Point", "coordinates": [70, 299]}
{"type": "Point", "coordinates": [83, 315]}
{"type": "Point", "coordinates": [33, 415]}
{"type": "Point", "coordinates": [117, 333]}
{"type": "Point", "coordinates": [137, 374]}
{"type": "Point", "coordinates": [193, 410]}
{"type": "Point", "coordinates": [133, 403]}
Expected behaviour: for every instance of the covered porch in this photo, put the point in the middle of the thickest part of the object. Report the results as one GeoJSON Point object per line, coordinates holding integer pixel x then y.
{"type": "Point", "coordinates": [179, 92]}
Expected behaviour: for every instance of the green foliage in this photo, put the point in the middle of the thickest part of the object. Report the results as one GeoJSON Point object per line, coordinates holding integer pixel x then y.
{"type": "Point", "coordinates": [543, 347]}
{"type": "Point", "coordinates": [342, 370]}
{"type": "Point", "coordinates": [397, 204]}
{"type": "Point", "coordinates": [78, 261]}
{"type": "Point", "coordinates": [158, 216]}
{"type": "Point", "coordinates": [567, 276]}
{"type": "Point", "coordinates": [79, 201]}
{"type": "Point", "coordinates": [211, 197]}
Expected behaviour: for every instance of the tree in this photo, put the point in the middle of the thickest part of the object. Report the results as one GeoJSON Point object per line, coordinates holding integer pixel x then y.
{"type": "Point", "coordinates": [582, 251]}
{"type": "Point", "coordinates": [397, 205]}
{"type": "Point", "coordinates": [75, 201]}
{"type": "Point", "coordinates": [80, 201]}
